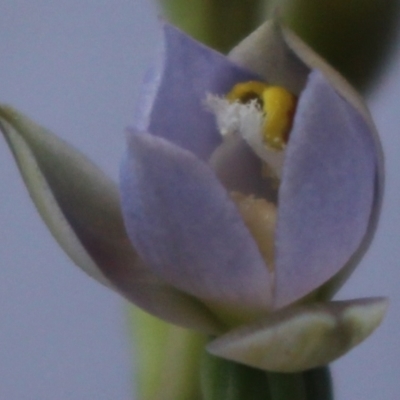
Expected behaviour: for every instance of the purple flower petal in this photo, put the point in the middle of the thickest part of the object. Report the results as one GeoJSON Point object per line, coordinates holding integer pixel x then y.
{"type": "Point", "coordinates": [183, 223]}
{"type": "Point", "coordinates": [172, 102]}
{"type": "Point", "coordinates": [327, 191]}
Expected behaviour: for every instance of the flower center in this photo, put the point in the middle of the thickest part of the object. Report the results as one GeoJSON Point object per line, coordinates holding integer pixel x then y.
{"type": "Point", "coordinates": [262, 115]}
{"type": "Point", "coordinates": [278, 107]}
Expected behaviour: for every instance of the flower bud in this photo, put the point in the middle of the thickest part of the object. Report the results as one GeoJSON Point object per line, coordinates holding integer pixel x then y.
{"type": "Point", "coordinates": [220, 24]}
{"type": "Point", "coordinates": [355, 36]}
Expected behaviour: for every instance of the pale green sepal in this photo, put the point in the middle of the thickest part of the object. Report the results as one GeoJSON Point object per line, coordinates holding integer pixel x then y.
{"type": "Point", "coordinates": [33, 149]}
{"type": "Point", "coordinates": [81, 208]}
{"type": "Point", "coordinates": [227, 380]}
{"type": "Point", "coordinates": [167, 358]}
{"type": "Point", "coordinates": [302, 337]}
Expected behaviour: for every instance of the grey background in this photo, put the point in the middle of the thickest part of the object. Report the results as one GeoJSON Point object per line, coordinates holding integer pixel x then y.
{"type": "Point", "coordinates": [75, 66]}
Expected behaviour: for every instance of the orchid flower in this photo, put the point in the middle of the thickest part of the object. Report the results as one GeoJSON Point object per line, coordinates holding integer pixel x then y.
{"type": "Point", "coordinates": [244, 227]}
{"type": "Point", "coordinates": [234, 222]}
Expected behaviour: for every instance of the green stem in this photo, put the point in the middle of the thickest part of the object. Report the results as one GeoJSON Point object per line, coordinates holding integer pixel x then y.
{"type": "Point", "coordinates": [315, 384]}
{"type": "Point", "coordinates": [167, 358]}
{"type": "Point", "coordinates": [226, 380]}
{"type": "Point", "coordinates": [319, 384]}
{"type": "Point", "coordinates": [287, 386]}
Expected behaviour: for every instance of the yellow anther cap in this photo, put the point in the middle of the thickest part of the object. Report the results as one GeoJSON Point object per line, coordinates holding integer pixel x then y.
{"type": "Point", "coordinates": [277, 104]}
{"type": "Point", "coordinates": [247, 91]}
{"type": "Point", "coordinates": [279, 107]}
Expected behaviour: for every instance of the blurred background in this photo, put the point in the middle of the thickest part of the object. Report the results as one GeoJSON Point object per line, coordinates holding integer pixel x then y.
{"type": "Point", "coordinates": [75, 67]}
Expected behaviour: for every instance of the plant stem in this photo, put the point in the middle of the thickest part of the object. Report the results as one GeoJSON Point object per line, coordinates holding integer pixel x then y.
{"type": "Point", "coordinates": [226, 380]}
{"type": "Point", "coordinates": [319, 384]}
{"type": "Point", "coordinates": [287, 386]}
{"type": "Point", "coordinates": [315, 384]}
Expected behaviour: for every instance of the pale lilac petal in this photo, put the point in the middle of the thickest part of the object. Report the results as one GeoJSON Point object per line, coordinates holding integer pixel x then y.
{"type": "Point", "coordinates": [303, 336]}
{"type": "Point", "coordinates": [172, 101]}
{"type": "Point", "coordinates": [81, 208]}
{"type": "Point", "coordinates": [183, 223]}
{"type": "Point", "coordinates": [327, 191]}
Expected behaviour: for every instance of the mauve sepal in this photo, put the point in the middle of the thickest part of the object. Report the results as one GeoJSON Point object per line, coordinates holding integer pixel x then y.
{"type": "Point", "coordinates": [81, 207]}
